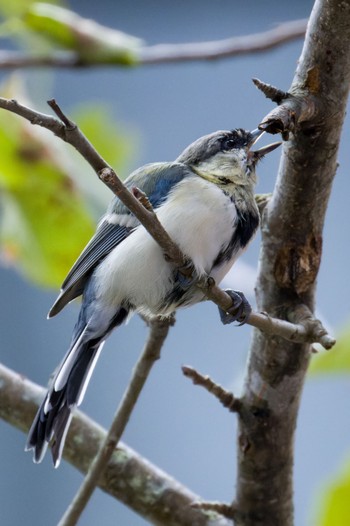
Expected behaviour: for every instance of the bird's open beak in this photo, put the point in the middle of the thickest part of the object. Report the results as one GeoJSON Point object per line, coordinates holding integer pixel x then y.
{"type": "Point", "coordinates": [259, 154]}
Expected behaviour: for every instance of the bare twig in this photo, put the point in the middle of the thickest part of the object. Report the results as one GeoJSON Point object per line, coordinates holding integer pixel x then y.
{"type": "Point", "coordinates": [158, 332]}
{"type": "Point", "coordinates": [157, 497]}
{"type": "Point", "coordinates": [271, 92]}
{"type": "Point", "coordinates": [308, 330]}
{"type": "Point", "coordinates": [72, 135]}
{"type": "Point", "coordinates": [227, 399]}
{"type": "Point", "coordinates": [229, 47]}
{"type": "Point", "coordinates": [165, 53]}
{"type": "Point", "coordinates": [295, 109]}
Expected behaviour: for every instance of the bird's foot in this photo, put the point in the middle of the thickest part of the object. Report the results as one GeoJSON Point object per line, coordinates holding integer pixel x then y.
{"type": "Point", "coordinates": [239, 311]}
{"type": "Point", "coordinates": [186, 276]}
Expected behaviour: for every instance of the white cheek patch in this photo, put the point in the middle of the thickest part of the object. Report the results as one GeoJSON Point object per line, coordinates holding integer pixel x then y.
{"type": "Point", "coordinates": [225, 164]}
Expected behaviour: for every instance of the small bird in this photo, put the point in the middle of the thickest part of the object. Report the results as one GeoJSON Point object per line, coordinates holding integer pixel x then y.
{"type": "Point", "coordinates": [205, 201]}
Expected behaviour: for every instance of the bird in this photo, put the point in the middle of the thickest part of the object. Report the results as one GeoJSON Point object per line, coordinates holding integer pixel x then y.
{"type": "Point", "coordinates": [205, 201]}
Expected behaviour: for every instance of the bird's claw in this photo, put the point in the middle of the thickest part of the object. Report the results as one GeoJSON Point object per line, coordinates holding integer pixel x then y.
{"type": "Point", "coordinates": [185, 276]}
{"type": "Point", "coordinates": [239, 311]}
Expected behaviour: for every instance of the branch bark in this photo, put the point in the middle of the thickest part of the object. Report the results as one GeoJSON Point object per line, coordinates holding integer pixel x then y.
{"type": "Point", "coordinates": [289, 262]}
{"type": "Point", "coordinates": [128, 477]}
{"type": "Point", "coordinates": [164, 53]}
{"type": "Point", "coordinates": [69, 132]}
{"type": "Point", "coordinates": [158, 331]}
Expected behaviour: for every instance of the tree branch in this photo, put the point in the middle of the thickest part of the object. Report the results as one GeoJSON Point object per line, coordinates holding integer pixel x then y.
{"type": "Point", "coordinates": [290, 256]}
{"type": "Point", "coordinates": [159, 329]}
{"type": "Point", "coordinates": [157, 497]}
{"type": "Point", "coordinates": [68, 131]}
{"type": "Point", "coordinates": [164, 53]}
{"type": "Point", "coordinates": [226, 398]}
{"type": "Point", "coordinates": [293, 109]}
{"type": "Point", "coordinates": [229, 47]}
{"type": "Point", "coordinates": [227, 510]}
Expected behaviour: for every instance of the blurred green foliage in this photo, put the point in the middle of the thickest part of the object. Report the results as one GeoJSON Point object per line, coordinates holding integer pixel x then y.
{"type": "Point", "coordinates": [335, 361]}
{"type": "Point", "coordinates": [19, 7]}
{"type": "Point", "coordinates": [88, 39]}
{"type": "Point", "coordinates": [49, 193]}
{"type": "Point", "coordinates": [333, 502]}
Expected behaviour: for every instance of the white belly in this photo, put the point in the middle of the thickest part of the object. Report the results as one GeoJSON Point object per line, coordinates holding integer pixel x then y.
{"type": "Point", "coordinates": [199, 217]}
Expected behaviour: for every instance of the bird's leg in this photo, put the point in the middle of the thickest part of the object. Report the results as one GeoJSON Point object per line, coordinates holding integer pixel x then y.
{"type": "Point", "coordinates": [186, 275]}
{"type": "Point", "coordinates": [239, 311]}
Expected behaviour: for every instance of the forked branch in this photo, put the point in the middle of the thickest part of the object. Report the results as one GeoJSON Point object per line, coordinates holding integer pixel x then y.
{"type": "Point", "coordinates": [69, 132]}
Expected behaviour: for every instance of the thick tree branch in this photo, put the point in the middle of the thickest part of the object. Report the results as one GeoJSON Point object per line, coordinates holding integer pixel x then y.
{"type": "Point", "coordinates": [69, 132]}
{"type": "Point", "coordinates": [289, 262]}
{"type": "Point", "coordinates": [164, 53]}
{"type": "Point", "coordinates": [156, 496]}
{"type": "Point", "coordinates": [159, 329]}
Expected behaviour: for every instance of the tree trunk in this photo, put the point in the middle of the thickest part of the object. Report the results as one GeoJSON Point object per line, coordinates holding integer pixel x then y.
{"type": "Point", "coordinates": [292, 226]}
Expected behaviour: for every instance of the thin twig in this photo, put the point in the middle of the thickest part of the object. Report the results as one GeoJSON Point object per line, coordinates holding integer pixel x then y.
{"type": "Point", "coordinates": [76, 138]}
{"type": "Point", "coordinates": [227, 399]}
{"type": "Point", "coordinates": [170, 500]}
{"type": "Point", "coordinates": [295, 332]}
{"type": "Point", "coordinates": [271, 92]}
{"type": "Point", "coordinates": [159, 329]}
{"type": "Point", "coordinates": [165, 53]}
{"type": "Point", "coordinates": [229, 47]}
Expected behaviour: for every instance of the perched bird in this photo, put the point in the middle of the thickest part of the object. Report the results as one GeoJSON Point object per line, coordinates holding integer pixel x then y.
{"type": "Point", "coordinates": [205, 201]}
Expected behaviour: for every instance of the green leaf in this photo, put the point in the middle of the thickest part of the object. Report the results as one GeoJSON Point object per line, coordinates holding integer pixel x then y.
{"type": "Point", "coordinates": [335, 361]}
{"type": "Point", "coordinates": [333, 502]}
{"type": "Point", "coordinates": [44, 220]}
{"type": "Point", "coordinates": [18, 7]}
{"type": "Point", "coordinates": [93, 42]}
{"type": "Point", "coordinates": [96, 123]}
{"type": "Point", "coordinates": [49, 195]}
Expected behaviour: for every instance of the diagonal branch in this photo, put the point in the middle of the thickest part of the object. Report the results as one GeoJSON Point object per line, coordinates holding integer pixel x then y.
{"type": "Point", "coordinates": [226, 398]}
{"type": "Point", "coordinates": [69, 132]}
{"type": "Point", "coordinates": [157, 497]}
{"type": "Point", "coordinates": [159, 329]}
{"type": "Point", "coordinates": [164, 53]}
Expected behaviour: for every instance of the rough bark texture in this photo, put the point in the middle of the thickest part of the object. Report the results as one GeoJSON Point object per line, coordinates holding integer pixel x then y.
{"type": "Point", "coordinates": [130, 478]}
{"type": "Point", "coordinates": [289, 261]}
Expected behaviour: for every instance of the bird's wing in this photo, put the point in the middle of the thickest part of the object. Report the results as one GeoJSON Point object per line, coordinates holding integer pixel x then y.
{"type": "Point", "coordinates": [156, 181]}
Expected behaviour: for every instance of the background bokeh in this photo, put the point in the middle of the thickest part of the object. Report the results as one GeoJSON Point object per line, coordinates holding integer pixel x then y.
{"type": "Point", "coordinates": [177, 426]}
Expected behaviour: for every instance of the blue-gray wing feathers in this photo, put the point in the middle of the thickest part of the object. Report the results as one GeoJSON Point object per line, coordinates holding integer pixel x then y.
{"type": "Point", "coordinates": [156, 181]}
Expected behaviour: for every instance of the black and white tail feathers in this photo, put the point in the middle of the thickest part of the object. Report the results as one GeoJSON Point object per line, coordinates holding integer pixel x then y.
{"type": "Point", "coordinates": [66, 392]}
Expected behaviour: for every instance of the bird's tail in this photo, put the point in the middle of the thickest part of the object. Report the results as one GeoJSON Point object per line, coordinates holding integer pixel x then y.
{"type": "Point", "coordinates": [66, 392]}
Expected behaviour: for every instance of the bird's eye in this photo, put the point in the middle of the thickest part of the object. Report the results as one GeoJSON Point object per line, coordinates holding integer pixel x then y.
{"type": "Point", "coordinates": [227, 144]}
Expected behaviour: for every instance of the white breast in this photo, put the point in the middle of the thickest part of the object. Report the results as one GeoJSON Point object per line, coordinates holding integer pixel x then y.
{"type": "Point", "coordinates": [198, 216]}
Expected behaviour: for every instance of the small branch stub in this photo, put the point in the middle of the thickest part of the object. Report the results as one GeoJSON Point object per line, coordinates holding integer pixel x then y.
{"type": "Point", "coordinates": [226, 398]}
{"type": "Point", "coordinates": [292, 110]}
{"type": "Point", "coordinates": [270, 92]}
{"type": "Point", "coordinates": [142, 197]}
{"type": "Point", "coordinates": [70, 125]}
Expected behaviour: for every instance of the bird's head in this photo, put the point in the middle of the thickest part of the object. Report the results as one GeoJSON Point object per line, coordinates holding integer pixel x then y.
{"type": "Point", "coordinates": [225, 157]}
